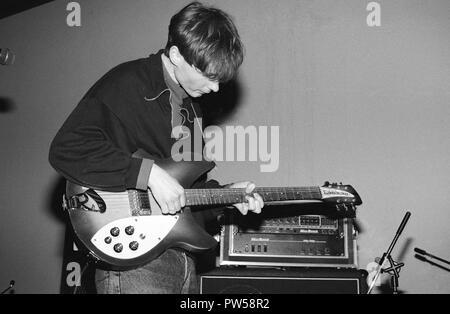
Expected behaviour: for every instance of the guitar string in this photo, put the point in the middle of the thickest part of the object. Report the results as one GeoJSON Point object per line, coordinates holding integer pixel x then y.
{"type": "Point", "coordinates": [218, 192]}
{"type": "Point", "coordinates": [208, 193]}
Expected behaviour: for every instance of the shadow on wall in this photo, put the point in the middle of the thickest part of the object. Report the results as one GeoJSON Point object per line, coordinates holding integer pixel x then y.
{"type": "Point", "coordinates": [6, 105]}
{"type": "Point", "coordinates": [405, 248]}
{"type": "Point", "coordinates": [55, 197]}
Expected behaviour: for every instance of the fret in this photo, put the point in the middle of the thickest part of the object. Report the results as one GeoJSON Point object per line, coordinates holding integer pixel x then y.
{"type": "Point", "coordinates": [283, 195]}
{"type": "Point", "coordinates": [275, 196]}
{"type": "Point", "coordinates": [290, 193]}
{"type": "Point", "coordinates": [218, 198]}
{"type": "Point", "coordinates": [197, 199]}
{"type": "Point", "coordinates": [209, 197]}
{"type": "Point", "coordinates": [300, 194]}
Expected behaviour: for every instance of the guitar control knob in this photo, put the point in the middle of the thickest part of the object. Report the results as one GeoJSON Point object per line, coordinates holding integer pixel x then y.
{"type": "Point", "coordinates": [108, 240]}
{"type": "Point", "coordinates": [114, 231]}
{"type": "Point", "coordinates": [129, 230]}
{"type": "Point", "coordinates": [134, 245]}
{"type": "Point", "coordinates": [118, 247]}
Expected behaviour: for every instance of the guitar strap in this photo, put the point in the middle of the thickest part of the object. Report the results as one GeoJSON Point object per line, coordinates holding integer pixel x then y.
{"type": "Point", "coordinates": [89, 200]}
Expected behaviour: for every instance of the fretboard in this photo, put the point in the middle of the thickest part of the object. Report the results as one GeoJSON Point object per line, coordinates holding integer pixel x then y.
{"type": "Point", "coordinates": [199, 197]}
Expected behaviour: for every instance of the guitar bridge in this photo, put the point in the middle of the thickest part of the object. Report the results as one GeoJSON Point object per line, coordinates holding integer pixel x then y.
{"type": "Point", "coordinates": [139, 203]}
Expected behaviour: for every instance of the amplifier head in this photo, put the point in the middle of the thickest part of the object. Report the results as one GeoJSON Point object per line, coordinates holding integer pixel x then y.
{"type": "Point", "coordinates": [288, 239]}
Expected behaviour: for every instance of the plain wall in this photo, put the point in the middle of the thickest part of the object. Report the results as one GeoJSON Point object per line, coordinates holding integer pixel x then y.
{"type": "Point", "coordinates": [366, 106]}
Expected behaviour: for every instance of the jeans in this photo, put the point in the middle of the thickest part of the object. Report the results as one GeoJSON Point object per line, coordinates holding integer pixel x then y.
{"type": "Point", "coordinates": [171, 273]}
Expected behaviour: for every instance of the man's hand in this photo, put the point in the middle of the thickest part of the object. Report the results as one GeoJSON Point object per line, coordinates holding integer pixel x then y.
{"type": "Point", "coordinates": [167, 191]}
{"type": "Point", "coordinates": [254, 200]}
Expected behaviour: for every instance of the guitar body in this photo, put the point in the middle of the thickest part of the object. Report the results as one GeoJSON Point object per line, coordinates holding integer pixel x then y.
{"type": "Point", "coordinates": [126, 231]}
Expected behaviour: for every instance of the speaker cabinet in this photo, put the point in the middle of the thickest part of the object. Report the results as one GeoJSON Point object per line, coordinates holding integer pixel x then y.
{"type": "Point", "coordinates": [288, 281]}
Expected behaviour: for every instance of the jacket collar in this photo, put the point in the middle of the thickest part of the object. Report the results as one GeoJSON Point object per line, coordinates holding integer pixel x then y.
{"type": "Point", "coordinates": [157, 85]}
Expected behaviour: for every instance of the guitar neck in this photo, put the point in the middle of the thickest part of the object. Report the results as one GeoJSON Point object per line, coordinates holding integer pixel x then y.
{"type": "Point", "coordinates": [227, 196]}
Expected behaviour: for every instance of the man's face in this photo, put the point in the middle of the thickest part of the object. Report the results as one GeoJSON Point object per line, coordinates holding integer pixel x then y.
{"type": "Point", "coordinates": [192, 80]}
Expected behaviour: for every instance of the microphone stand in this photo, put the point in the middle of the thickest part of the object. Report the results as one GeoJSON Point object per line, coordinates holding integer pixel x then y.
{"type": "Point", "coordinates": [422, 255]}
{"type": "Point", "coordinates": [11, 284]}
{"type": "Point", "coordinates": [425, 253]}
{"type": "Point", "coordinates": [395, 268]}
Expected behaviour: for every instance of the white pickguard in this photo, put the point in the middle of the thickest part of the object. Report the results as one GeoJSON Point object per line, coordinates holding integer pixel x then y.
{"type": "Point", "coordinates": [148, 232]}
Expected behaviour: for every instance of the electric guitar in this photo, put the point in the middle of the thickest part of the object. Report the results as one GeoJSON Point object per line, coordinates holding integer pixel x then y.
{"type": "Point", "coordinates": [127, 229]}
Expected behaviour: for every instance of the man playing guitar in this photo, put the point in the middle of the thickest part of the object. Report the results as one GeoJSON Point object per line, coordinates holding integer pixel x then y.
{"type": "Point", "coordinates": [134, 107]}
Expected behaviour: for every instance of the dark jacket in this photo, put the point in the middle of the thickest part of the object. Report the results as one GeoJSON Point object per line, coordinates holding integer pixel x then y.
{"type": "Point", "coordinates": [127, 110]}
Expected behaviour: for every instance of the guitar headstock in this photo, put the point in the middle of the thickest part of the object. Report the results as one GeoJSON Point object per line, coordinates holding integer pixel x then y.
{"type": "Point", "coordinates": [343, 198]}
{"type": "Point", "coordinates": [340, 194]}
